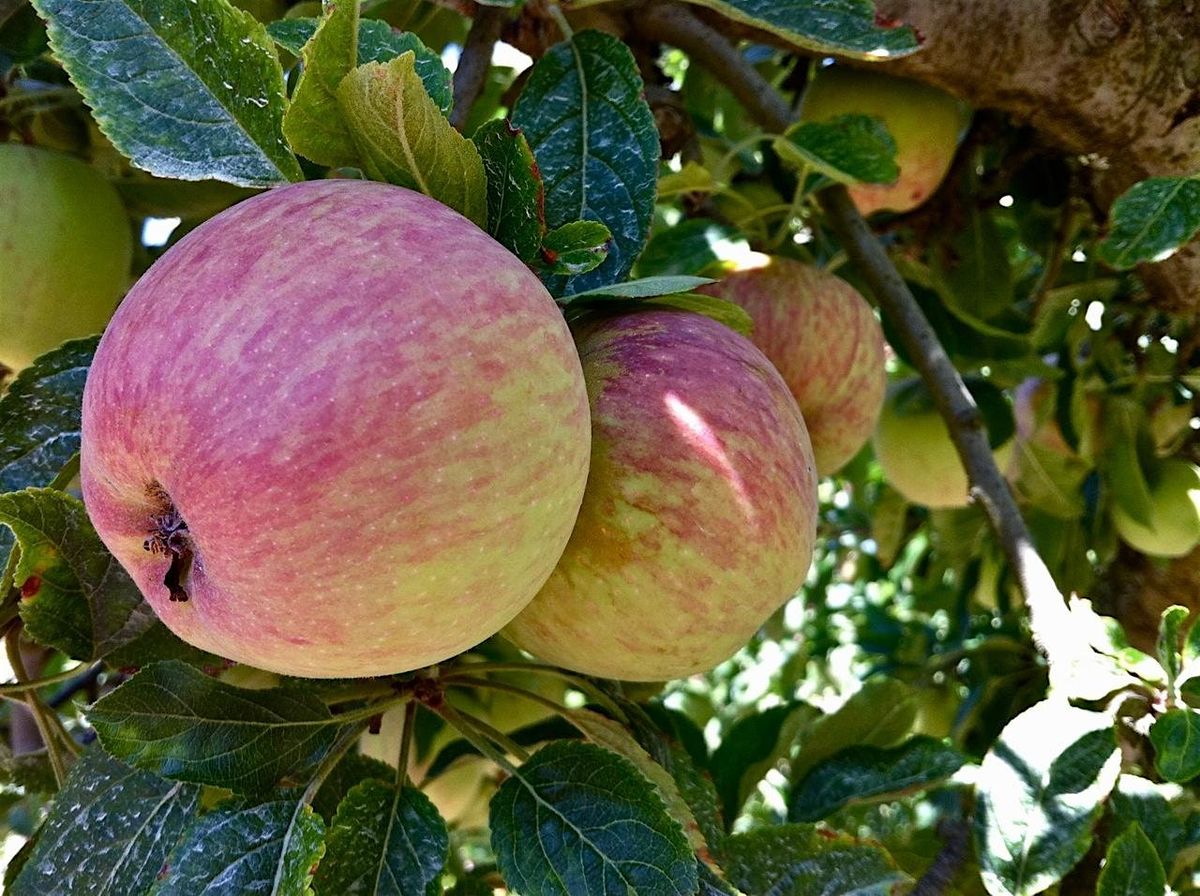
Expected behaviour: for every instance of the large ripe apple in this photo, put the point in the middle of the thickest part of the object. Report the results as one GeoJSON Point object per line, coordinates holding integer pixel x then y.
{"type": "Point", "coordinates": [700, 511]}
{"type": "Point", "coordinates": [913, 446]}
{"type": "Point", "coordinates": [350, 427]}
{"type": "Point", "coordinates": [925, 123]}
{"type": "Point", "coordinates": [823, 338]}
{"type": "Point", "coordinates": [1174, 528]}
{"type": "Point", "coordinates": [65, 249]}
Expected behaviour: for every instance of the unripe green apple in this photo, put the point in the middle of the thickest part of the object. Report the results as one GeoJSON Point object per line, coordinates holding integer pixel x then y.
{"type": "Point", "coordinates": [925, 123]}
{"type": "Point", "coordinates": [1174, 528]}
{"type": "Point", "coordinates": [65, 249]}
{"type": "Point", "coordinates": [913, 445]}
{"type": "Point", "coordinates": [336, 430]}
{"type": "Point", "coordinates": [700, 510]}
{"type": "Point", "coordinates": [824, 340]}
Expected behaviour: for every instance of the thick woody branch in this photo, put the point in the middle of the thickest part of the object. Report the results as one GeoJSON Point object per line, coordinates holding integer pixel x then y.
{"type": "Point", "coordinates": [1049, 616]}
{"type": "Point", "coordinates": [473, 65]}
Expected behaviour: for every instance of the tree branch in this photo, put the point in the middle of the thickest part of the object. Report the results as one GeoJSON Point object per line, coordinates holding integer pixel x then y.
{"type": "Point", "coordinates": [473, 65]}
{"type": "Point", "coordinates": [1050, 620]}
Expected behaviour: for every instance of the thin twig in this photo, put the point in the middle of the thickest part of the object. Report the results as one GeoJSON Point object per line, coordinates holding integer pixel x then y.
{"type": "Point", "coordinates": [338, 749]}
{"type": "Point", "coordinates": [406, 740]}
{"type": "Point", "coordinates": [44, 718]}
{"type": "Point", "coordinates": [1050, 620]}
{"type": "Point", "coordinates": [469, 729]}
{"type": "Point", "coordinates": [35, 684]}
{"type": "Point", "coordinates": [939, 877]}
{"type": "Point", "coordinates": [578, 682]}
{"type": "Point", "coordinates": [475, 62]}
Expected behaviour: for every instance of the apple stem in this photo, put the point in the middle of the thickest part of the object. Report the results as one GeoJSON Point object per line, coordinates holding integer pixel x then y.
{"type": "Point", "coordinates": [339, 748]}
{"type": "Point", "coordinates": [578, 682]}
{"type": "Point", "coordinates": [171, 536]}
{"type": "Point", "coordinates": [471, 682]}
{"type": "Point", "coordinates": [483, 737]}
{"type": "Point", "coordinates": [178, 571]}
{"type": "Point", "coordinates": [406, 739]}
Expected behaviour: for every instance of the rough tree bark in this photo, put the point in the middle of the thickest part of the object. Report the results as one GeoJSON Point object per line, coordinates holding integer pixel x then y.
{"type": "Point", "coordinates": [1116, 81]}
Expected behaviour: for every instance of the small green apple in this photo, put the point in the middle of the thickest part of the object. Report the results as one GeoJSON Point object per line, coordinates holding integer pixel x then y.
{"type": "Point", "coordinates": [65, 250]}
{"type": "Point", "coordinates": [914, 448]}
{"type": "Point", "coordinates": [1174, 528]}
{"type": "Point", "coordinates": [925, 123]}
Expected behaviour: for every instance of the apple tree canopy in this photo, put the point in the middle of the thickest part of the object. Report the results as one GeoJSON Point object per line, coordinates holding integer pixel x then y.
{"type": "Point", "coordinates": [988, 679]}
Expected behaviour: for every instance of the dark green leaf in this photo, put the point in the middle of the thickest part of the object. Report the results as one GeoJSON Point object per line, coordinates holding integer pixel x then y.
{"type": "Point", "coordinates": [1169, 642]}
{"type": "Point", "coordinates": [594, 139]}
{"type": "Point", "coordinates": [611, 735]}
{"type": "Point", "coordinates": [190, 89]}
{"type": "Point", "coordinates": [384, 841]}
{"type": "Point", "coordinates": [157, 643]}
{"type": "Point", "coordinates": [1191, 644]}
{"type": "Point", "coordinates": [1176, 738]}
{"type": "Point", "coordinates": [975, 278]}
{"type": "Point", "coordinates": [868, 774]}
{"type": "Point", "coordinates": [109, 831]}
{"type": "Point", "coordinates": [1132, 867]}
{"type": "Point", "coordinates": [516, 198]}
{"type": "Point", "coordinates": [575, 248]}
{"type": "Point", "coordinates": [796, 860]}
{"type": "Point", "coordinates": [313, 123]}
{"type": "Point", "coordinates": [848, 149]}
{"type": "Point", "coordinates": [1050, 480]}
{"type": "Point", "coordinates": [351, 770]}
{"type": "Point", "coordinates": [76, 597]}
{"type": "Point", "coordinates": [880, 715]}
{"type": "Point", "coordinates": [377, 42]}
{"type": "Point", "coordinates": [751, 746]}
{"type": "Point", "coordinates": [577, 820]}
{"type": "Point", "coordinates": [696, 788]}
{"type": "Point", "coordinates": [845, 27]}
{"type": "Point", "coordinates": [1137, 800]}
{"type": "Point", "coordinates": [174, 720]}
{"type": "Point", "coordinates": [40, 416]}
{"type": "Point", "coordinates": [266, 848]}
{"type": "Point", "coordinates": [1124, 423]}
{"type": "Point", "coordinates": [32, 771]}
{"type": "Point", "coordinates": [1041, 789]}
{"type": "Point", "coordinates": [403, 137]}
{"type": "Point", "coordinates": [690, 247]}
{"type": "Point", "coordinates": [1151, 220]}
{"type": "Point", "coordinates": [1189, 691]}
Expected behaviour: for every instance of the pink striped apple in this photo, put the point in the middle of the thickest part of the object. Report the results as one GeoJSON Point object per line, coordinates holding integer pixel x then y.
{"type": "Point", "coordinates": [336, 431]}
{"type": "Point", "coordinates": [824, 339]}
{"type": "Point", "coordinates": [700, 510]}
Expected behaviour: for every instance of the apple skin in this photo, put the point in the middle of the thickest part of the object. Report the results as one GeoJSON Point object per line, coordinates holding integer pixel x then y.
{"type": "Point", "coordinates": [925, 123]}
{"type": "Point", "coordinates": [824, 340]}
{"type": "Point", "coordinates": [369, 415]}
{"type": "Point", "coordinates": [700, 510]}
{"type": "Point", "coordinates": [1175, 519]}
{"type": "Point", "coordinates": [913, 446]}
{"type": "Point", "coordinates": [65, 250]}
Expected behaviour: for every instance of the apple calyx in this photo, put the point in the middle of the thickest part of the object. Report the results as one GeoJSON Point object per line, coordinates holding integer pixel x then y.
{"type": "Point", "coordinates": [171, 537]}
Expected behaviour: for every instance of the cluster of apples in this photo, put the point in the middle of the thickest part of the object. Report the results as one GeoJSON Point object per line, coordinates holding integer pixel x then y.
{"type": "Point", "coordinates": [337, 430]}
